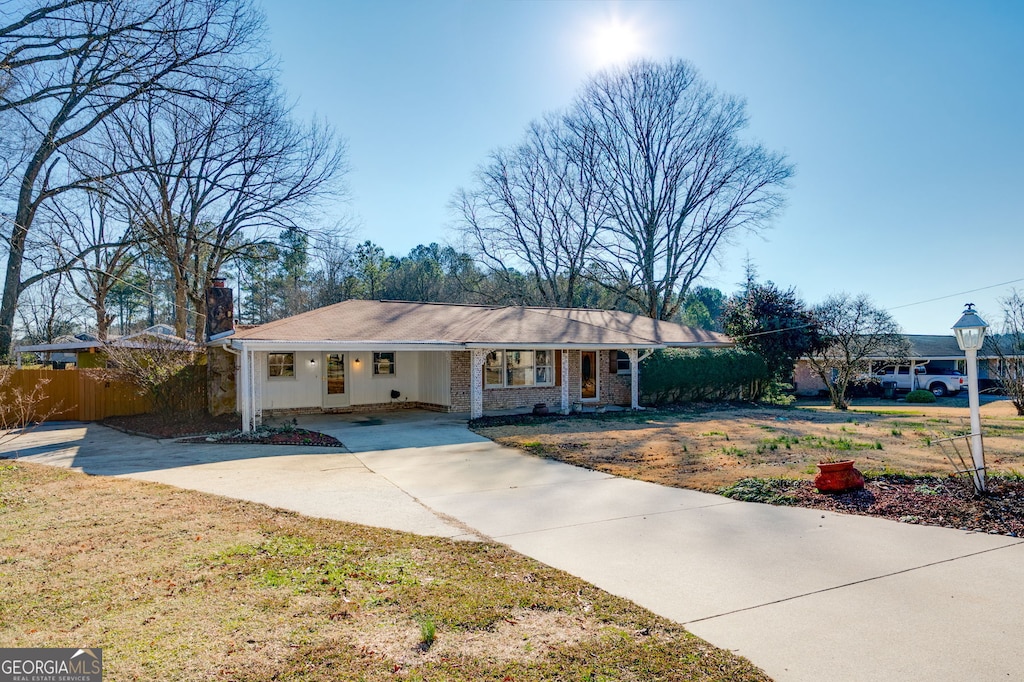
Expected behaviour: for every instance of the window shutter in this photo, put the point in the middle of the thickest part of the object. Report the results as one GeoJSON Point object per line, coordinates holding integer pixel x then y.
{"type": "Point", "coordinates": [613, 361]}
{"type": "Point", "coordinates": [558, 367]}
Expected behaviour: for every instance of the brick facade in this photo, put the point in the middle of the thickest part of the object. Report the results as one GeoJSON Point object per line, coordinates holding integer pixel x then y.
{"type": "Point", "coordinates": [614, 388]}
{"type": "Point", "coordinates": [805, 381]}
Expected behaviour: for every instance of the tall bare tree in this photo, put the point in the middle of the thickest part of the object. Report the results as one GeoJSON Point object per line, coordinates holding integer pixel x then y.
{"type": "Point", "coordinates": [1009, 350]}
{"type": "Point", "coordinates": [70, 65]}
{"type": "Point", "coordinates": [677, 179]}
{"type": "Point", "coordinates": [209, 172]}
{"type": "Point", "coordinates": [536, 207]}
{"type": "Point", "coordinates": [94, 248]}
{"type": "Point", "coordinates": [852, 331]}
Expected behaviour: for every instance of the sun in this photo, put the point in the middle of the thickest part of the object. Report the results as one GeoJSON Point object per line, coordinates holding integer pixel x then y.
{"type": "Point", "coordinates": [614, 41]}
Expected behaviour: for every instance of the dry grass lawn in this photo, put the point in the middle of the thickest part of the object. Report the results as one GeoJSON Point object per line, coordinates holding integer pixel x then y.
{"type": "Point", "coordinates": [707, 450]}
{"type": "Point", "coordinates": [179, 585]}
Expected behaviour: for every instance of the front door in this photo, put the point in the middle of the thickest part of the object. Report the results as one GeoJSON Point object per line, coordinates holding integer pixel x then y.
{"type": "Point", "coordinates": [588, 375]}
{"type": "Point", "coordinates": [335, 390]}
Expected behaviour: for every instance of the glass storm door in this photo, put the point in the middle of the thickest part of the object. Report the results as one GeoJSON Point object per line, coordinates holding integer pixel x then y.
{"type": "Point", "coordinates": [335, 391]}
{"type": "Point", "coordinates": [588, 375]}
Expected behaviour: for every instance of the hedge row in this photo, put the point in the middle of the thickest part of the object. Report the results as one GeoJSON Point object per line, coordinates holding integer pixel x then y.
{"type": "Point", "coordinates": [702, 374]}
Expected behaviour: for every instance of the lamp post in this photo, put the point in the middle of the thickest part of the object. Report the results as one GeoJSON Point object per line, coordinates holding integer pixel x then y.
{"type": "Point", "coordinates": [970, 334]}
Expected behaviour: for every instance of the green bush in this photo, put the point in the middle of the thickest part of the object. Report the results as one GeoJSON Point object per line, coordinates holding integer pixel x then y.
{"type": "Point", "coordinates": [766, 490]}
{"type": "Point", "coordinates": [920, 397]}
{"type": "Point", "coordinates": [699, 374]}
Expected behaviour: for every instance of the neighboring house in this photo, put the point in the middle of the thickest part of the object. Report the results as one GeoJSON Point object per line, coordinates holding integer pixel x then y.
{"type": "Point", "coordinates": [454, 358]}
{"type": "Point", "coordinates": [932, 350]}
{"type": "Point", "coordinates": [85, 351]}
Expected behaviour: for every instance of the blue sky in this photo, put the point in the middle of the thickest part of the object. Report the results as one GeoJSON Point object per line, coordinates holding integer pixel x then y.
{"type": "Point", "coordinates": [904, 120]}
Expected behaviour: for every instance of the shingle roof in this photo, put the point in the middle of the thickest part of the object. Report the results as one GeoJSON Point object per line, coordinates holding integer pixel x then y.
{"type": "Point", "coordinates": [411, 322]}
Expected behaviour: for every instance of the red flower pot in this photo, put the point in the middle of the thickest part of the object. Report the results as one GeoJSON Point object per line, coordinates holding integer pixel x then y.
{"type": "Point", "coordinates": [838, 477]}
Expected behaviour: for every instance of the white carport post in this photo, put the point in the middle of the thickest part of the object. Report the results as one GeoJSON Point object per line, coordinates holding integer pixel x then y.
{"type": "Point", "coordinates": [634, 384]}
{"type": "Point", "coordinates": [565, 381]}
{"type": "Point", "coordinates": [478, 357]}
{"type": "Point", "coordinates": [245, 390]}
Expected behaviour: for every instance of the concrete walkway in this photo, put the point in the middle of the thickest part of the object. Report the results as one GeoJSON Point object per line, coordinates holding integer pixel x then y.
{"type": "Point", "coordinates": [806, 595]}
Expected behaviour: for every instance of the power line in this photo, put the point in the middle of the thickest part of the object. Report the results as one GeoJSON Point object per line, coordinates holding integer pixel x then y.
{"type": "Point", "coordinates": [960, 293]}
{"type": "Point", "coordinates": [898, 307]}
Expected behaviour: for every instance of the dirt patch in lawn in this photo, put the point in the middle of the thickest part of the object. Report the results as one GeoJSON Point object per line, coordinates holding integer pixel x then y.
{"type": "Point", "coordinates": [711, 447]}
{"type": "Point", "coordinates": [174, 425]}
{"type": "Point", "coordinates": [175, 584]}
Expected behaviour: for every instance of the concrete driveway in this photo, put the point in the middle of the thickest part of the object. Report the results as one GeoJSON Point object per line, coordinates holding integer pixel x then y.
{"type": "Point", "coordinates": [806, 595]}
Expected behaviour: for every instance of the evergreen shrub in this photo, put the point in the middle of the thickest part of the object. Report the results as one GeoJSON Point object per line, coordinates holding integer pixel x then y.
{"type": "Point", "coordinates": [677, 375]}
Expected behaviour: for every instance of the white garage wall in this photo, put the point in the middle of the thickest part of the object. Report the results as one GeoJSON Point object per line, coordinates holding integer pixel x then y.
{"type": "Point", "coordinates": [421, 376]}
{"type": "Point", "coordinates": [302, 390]}
{"type": "Point", "coordinates": [435, 378]}
{"type": "Point", "coordinates": [367, 389]}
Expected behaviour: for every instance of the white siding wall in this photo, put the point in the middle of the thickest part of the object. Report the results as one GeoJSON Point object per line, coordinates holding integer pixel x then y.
{"type": "Point", "coordinates": [367, 389]}
{"type": "Point", "coordinates": [435, 378]}
{"type": "Point", "coordinates": [302, 390]}
{"type": "Point", "coordinates": [419, 376]}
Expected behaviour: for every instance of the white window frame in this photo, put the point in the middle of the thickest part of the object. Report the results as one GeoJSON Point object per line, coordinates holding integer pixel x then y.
{"type": "Point", "coordinates": [621, 357]}
{"type": "Point", "coordinates": [499, 361]}
{"type": "Point", "coordinates": [282, 365]}
{"type": "Point", "coordinates": [392, 364]}
{"type": "Point", "coordinates": [550, 366]}
{"type": "Point", "coordinates": [499, 367]}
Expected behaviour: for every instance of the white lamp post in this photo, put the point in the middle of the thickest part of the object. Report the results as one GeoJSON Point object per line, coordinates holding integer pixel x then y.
{"type": "Point", "coordinates": [970, 334]}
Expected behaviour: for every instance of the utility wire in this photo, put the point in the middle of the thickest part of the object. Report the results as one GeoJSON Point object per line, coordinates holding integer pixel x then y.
{"type": "Point", "coordinates": [897, 307]}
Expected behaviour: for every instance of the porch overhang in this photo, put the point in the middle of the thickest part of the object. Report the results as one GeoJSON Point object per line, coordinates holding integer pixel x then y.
{"type": "Point", "coordinates": [501, 345]}
{"type": "Point", "coordinates": [262, 345]}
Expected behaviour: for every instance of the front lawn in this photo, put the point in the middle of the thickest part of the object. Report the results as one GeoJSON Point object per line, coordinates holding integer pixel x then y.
{"type": "Point", "coordinates": [713, 446]}
{"type": "Point", "coordinates": [770, 455]}
{"type": "Point", "coordinates": [181, 585]}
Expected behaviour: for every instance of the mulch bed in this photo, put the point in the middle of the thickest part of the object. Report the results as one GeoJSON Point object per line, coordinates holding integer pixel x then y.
{"type": "Point", "coordinates": [274, 436]}
{"type": "Point", "coordinates": [947, 502]}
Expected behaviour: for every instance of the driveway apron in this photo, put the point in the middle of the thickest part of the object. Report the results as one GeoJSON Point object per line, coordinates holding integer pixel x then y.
{"type": "Point", "coordinates": [804, 594]}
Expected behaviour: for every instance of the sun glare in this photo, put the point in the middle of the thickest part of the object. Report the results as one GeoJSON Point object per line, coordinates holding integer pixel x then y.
{"type": "Point", "coordinates": [614, 41]}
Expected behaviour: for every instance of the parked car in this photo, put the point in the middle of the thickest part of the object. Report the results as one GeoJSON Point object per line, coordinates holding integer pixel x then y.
{"type": "Point", "coordinates": [938, 380]}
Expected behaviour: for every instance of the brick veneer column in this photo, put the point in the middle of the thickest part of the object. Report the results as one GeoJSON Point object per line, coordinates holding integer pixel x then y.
{"type": "Point", "coordinates": [476, 383]}
{"type": "Point", "coordinates": [634, 387]}
{"type": "Point", "coordinates": [564, 393]}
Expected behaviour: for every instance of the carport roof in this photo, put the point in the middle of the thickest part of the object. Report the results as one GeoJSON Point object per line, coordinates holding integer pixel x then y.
{"type": "Point", "coordinates": [393, 323]}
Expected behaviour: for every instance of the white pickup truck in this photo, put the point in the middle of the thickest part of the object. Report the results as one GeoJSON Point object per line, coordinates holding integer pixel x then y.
{"type": "Point", "coordinates": [941, 382]}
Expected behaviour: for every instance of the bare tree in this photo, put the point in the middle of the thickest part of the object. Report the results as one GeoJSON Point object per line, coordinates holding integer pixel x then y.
{"type": "Point", "coordinates": [93, 247]}
{"type": "Point", "coordinates": [852, 332]}
{"type": "Point", "coordinates": [70, 65]}
{"type": "Point", "coordinates": [536, 207]}
{"type": "Point", "coordinates": [47, 311]}
{"type": "Point", "coordinates": [675, 176]}
{"type": "Point", "coordinates": [216, 175]}
{"type": "Point", "coordinates": [1009, 350]}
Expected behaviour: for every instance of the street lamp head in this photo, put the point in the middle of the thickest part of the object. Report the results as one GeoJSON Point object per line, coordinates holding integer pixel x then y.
{"type": "Point", "coordinates": [970, 329]}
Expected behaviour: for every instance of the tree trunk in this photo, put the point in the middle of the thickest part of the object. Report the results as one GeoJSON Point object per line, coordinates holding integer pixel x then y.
{"type": "Point", "coordinates": [180, 309]}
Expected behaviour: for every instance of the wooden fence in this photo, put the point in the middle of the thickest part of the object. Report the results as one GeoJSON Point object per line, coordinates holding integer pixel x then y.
{"type": "Point", "coordinates": [80, 394]}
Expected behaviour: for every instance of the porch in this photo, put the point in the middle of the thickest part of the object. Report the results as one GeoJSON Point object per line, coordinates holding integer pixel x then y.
{"type": "Point", "coordinates": [281, 378]}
